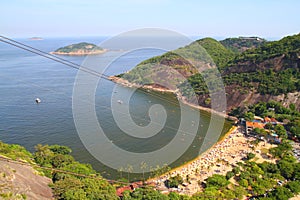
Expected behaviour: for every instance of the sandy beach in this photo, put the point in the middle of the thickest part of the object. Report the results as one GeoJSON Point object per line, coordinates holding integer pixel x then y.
{"type": "Point", "coordinates": [219, 159]}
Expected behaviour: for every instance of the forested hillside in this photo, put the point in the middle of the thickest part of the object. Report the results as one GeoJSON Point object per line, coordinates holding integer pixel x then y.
{"type": "Point", "coordinates": [265, 71]}
{"type": "Point", "coordinates": [242, 44]}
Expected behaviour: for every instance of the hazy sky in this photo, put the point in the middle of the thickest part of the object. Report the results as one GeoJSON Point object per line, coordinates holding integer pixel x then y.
{"type": "Point", "coordinates": [265, 18]}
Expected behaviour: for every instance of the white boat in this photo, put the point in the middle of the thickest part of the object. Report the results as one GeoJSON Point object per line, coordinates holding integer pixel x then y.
{"type": "Point", "coordinates": [38, 100]}
{"type": "Point", "coordinates": [120, 102]}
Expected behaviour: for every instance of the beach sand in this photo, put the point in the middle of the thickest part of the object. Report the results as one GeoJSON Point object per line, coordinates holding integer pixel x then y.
{"type": "Point", "coordinates": [219, 159]}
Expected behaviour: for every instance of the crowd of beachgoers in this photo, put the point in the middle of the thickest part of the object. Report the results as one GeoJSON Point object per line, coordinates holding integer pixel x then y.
{"type": "Point", "coordinates": [219, 159]}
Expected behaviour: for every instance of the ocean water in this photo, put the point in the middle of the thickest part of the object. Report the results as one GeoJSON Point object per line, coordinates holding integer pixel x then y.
{"type": "Point", "coordinates": [25, 76]}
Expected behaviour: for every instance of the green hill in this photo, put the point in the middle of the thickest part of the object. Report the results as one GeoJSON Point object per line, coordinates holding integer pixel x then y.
{"type": "Point", "coordinates": [82, 48]}
{"type": "Point", "coordinates": [286, 46]}
{"type": "Point", "coordinates": [172, 68]}
{"type": "Point", "coordinates": [217, 51]}
{"type": "Point", "coordinates": [267, 72]}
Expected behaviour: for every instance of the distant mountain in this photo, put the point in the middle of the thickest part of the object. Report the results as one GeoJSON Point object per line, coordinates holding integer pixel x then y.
{"type": "Point", "coordinates": [265, 71]}
{"type": "Point", "coordinates": [35, 38]}
{"type": "Point", "coordinates": [82, 48]}
{"type": "Point", "coordinates": [242, 44]}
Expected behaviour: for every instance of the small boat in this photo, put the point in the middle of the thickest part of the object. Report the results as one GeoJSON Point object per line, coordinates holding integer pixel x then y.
{"type": "Point", "coordinates": [38, 100]}
{"type": "Point", "coordinates": [120, 102]}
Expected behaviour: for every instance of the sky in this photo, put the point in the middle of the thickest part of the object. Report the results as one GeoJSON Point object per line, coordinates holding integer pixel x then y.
{"type": "Point", "coordinates": [209, 18]}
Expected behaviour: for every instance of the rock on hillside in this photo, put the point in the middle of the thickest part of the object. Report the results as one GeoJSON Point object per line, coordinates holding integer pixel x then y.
{"type": "Point", "coordinates": [19, 181]}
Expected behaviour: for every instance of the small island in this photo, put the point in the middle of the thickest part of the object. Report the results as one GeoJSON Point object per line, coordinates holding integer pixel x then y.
{"type": "Point", "coordinates": [80, 49]}
{"type": "Point", "coordinates": [35, 38]}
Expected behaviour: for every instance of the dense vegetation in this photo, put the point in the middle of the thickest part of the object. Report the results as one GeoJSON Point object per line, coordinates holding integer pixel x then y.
{"type": "Point", "coordinates": [219, 54]}
{"type": "Point", "coordinates": [68, 185]}
{"type": "Point", "coordinates": [84, 46]}
{"type": "Point", "coordinates": [267, 180]}
{"type": "Point", "coordinates": [261, 79]}
{"type": "Point", "coordinates": [269, 50]}
{"type": "Point", "coordinates": [267, 82]}
{"type": "Point", "coordinates": [207, 50]}
{"type": "Point", "coordinates": [242, 44]}
{"type": "Point", "coordinates": [275, 110]}
{"type": "Point", "coordinates": [208, 81]}
{"type": "Point", "coordinates": [15, 151]}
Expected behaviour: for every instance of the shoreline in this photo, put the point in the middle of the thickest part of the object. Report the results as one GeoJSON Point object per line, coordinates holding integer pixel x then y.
{"type": "Point", "coordinates": [226, 135]}
{"type": "Point", "coordinates": [79, 54]}
{"type": "Point", "coordinates": [126, 83]}
{"type": "Point", "coordinates": [200, 156]}
{"type": "Point", "coordinates": [221, 158]}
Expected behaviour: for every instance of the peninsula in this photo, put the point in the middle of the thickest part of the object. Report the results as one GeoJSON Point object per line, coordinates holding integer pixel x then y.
{"type": "Point", "coordinates": [252, 70]}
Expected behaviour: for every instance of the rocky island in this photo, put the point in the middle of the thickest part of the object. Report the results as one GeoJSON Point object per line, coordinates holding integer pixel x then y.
{"type": "Point", "coordinates": [80, 49]}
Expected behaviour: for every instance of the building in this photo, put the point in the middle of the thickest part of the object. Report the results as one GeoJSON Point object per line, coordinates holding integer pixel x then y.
{"type": "Point", "coordinates": [130, 187]}
{"type": "Point", "coordinates": [258, 119]}
{"type": "Point", "coordinates": [252, 125]}
{"type": "Point", "coordinates": [267, 120]}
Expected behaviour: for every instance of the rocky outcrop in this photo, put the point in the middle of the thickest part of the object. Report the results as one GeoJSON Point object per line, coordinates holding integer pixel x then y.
{"type": "Point", "coordinates": [278, 63]}
{"type": "Point", "coordinates": [18, 181]}
{"type": "Point", "coordinates": [236, 98]}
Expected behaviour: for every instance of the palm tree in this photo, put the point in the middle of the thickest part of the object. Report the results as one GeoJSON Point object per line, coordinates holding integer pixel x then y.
{"type": "Point", "coordinates": [151, 171]}
{"type": "Point", "coordinates": [121, 169]}
{"type": "Point", "coordinates": [129, 170]}
{"type": "Point", "coordinates": [158, 172]}
{"type": "Point", "coordinates": [165, 169]}
{"type": "Point", "coordinates": [143, 167]}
